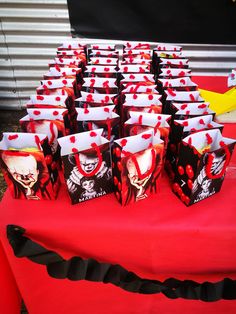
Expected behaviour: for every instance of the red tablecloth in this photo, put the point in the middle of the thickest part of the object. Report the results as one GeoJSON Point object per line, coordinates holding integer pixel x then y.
{"type": "Point", "coordinates": [10, 300]}
{"type": "Point", "coordinates": [157, 238]}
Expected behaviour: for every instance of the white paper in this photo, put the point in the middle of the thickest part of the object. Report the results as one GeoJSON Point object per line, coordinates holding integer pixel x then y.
{"type": "Point", "coordinates": [81, 141]}
{"type": "Point", "coordinates": [149, 119]}
{"type": "Point", "coordinates": [137, 77]}
{"type": "Point", "coordinates": [96, 113]}
{"type": "Point", "coordinates": [23, 140]}
{"type": "Point", "coordinates": [199, 140]}
{"type": "Point", "coordinates": [134, 68]}
{"type": "Point", "coordinates": [104, 61]}
{"type": "Point", "coordinates": [175, 72]}
{"type": "Point", "coordinates": [47, 100]}
{"type": "Point", "coordinates": [140, 89]}
{"type": "Point", "coordinates": [100, 69]}
{"type": "Point", "coordinates": [97, 98]}
{"type": "Point", "coordinates": [198, 123]}
{"type": "Point", "coordinates": [142, 100]}
{"type": "Point", "coordinates": [177, 82]}
{"type": "Point", "coordinates": [184, 96]}
{"type": "Point", "coordinates": [99, 81]}
{"type": "Point", "coordinates": [58, 83]}
{"type": "Point", "coordinates": [138, 143]}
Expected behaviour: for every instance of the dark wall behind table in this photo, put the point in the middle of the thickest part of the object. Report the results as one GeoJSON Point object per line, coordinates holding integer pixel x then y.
{"type": "Point", "coordinates": [183, 21]}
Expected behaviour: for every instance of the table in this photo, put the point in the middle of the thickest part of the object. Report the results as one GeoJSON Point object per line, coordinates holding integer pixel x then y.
{"type": "Point", "coordinates": [157, 238]}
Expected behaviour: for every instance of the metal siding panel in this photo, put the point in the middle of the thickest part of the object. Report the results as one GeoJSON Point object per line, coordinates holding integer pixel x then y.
{"type": "Point", "coordinates": [31, 31]}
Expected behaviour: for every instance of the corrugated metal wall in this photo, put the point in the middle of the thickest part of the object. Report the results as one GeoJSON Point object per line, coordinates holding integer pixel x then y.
{"type": "Point", "coordinates": [32, 29]}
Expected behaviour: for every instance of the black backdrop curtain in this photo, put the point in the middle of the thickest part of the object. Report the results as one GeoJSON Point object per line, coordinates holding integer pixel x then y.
{"type": "Point", "coordinates": [183, 21]}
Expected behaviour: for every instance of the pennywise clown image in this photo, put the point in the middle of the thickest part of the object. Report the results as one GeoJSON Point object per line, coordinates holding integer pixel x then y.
{"type": "Point", "coordinates": [25, 175]}
{"type": "Point", "coordinates": [81, 185]}
{"type": "Point", "coordinates": [140, 173]}
{"type": "Point", "coordinates": [204, 186]}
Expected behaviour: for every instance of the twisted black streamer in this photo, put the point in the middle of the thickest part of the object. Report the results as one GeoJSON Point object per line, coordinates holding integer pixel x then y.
{"type": "Point", "coordinates": [77, 268]}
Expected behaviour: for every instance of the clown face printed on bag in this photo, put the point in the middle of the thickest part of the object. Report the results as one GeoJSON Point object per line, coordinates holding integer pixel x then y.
{"type": "Point", "coordinates": [179, 130]}
{"type": "Point", "coordinates": [137, 166]}
{"type": "Point", "coordinates": [106, 71]}
{"type": "Point", "coordinates": [97, 118]}
{"type": "Point", "coordinates": [141, 122]}
{"type": "Point", "coordinates": [183, 111]}
{"type": "Point", "coordinates": [149, 103]}
{"type": "Point", "coordinates": [87, 165]}
{"type": "Point", "coordinates": [100, 85]}
{"type": "Point", "coordinates": [26, 162]}
{"type": "Point", "coordinates": [202, 164]}
{"type": "Point", "coordinates": [49, 102]}
{"type": "Point", "coordinates": [50, 122]}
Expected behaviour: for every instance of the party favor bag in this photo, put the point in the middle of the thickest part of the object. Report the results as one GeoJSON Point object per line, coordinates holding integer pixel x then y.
{"type": "Point", "coordinates": [95, 100]}
{"type": "Point", "coordinates": [177, 84]}
{"type": "Point", "coordinates": [202, 164]}
{"type": "Point", "coordinates": [140, 102]}
{"type": "Point", "coordinates": [53, 123]}
{"type": "Point", "coordinates": [47, 101]}
{"type": "Point", "coordinates": [87, 165]}
{"type": "Point", "coordinates": [182, 111]}
{"type": "Point", "coordinates": [174, 73]}
{"type": "Point", "coordinates": [172, 96]}
{"type": "Point", "coordinates": [140, 122]}
{"type": "Point", "coordinates": [99, 117]}
{"type": "Point", "coordinates": [106, 71]}
{"type": "Point", "coordinates": [27, 166]}
{"type": "Point", "coordinates": [137, 166]}
{"type": "Point", "coordinates": [100, 85]}
{"type": "Point", "coordinates": [179, 130]}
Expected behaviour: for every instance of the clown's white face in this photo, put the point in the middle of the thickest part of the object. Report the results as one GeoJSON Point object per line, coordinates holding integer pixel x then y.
{"type": "Point", "coordinates": [23, 169]}
{"type": "Point", "coordinates": [88, 164]}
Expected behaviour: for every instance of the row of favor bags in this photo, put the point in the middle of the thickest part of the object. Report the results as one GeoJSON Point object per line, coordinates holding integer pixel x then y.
{"type": "Point", "coordinates": [197, 154]}
{"type": "Point", "coordinates": [90, 169]}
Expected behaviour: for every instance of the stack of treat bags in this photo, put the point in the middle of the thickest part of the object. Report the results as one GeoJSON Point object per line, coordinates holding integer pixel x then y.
{"type": "Point", "coordinates": [197, 154]}
{"type": "Point", "coordinates": [111, 119]}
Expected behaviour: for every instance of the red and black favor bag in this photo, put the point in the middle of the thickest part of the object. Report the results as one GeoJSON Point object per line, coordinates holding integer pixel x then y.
{"type": "Point", "coordinates": [137, 166]}
{"type": "Point", "coordinates": [202, 164]}
{"type": "Point", "coordinates": [179, 130]}
{"type": "Point", "coordinates": [27, 165]}
{"type": "Point", "coordinates": [87, 165]}
{"type": "Point", "coordinates": [99, 117]}
{"type": "Point", "coordinates": [53, 123]}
